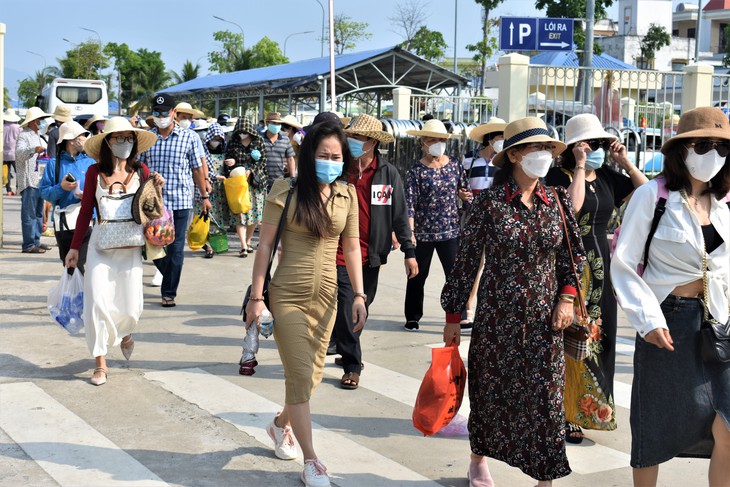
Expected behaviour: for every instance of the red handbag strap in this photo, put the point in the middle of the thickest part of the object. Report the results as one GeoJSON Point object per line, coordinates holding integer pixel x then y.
{"type": "Point", "coordinates": [579, 298]}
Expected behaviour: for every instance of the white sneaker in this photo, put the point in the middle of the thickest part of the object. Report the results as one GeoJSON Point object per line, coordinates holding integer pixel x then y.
{"type": "Point", "coordinates": [315, 474]}
{"type": "Point", "coordinates": [157, 280]}
{"type": "Point", "coordinates": [284, 447]}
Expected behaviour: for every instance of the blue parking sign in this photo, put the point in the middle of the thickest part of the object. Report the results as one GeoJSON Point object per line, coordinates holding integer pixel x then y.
{"type": "Point", "coordinates": [555, 34]}
{"type": "Point", "coordinates": [533, 34]}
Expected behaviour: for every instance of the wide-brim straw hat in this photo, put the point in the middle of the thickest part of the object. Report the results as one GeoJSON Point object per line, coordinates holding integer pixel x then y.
{"type": "Point", "coordinates": [201, 124]}
{"type": "Point", "coordinates": [370, 127]}
{"type": "Point", "coordinates": [94, 119]}
{"type": "Point", "coordinates": [526, 131]}
{"type": "Point", "coordinates": [71, 130]}
{"type": "Point", "coordinates": [585, 126]}
{"type": "Point", "coordinates": [292, 121]}
{"type": "Point", "coordinates": [184, 107]}
{"type": "Point", "coordinates": [33, 113]}
{"type": "Point", "coordinates": [62, 114]}
{"type": "Point", "coordinates": [433, 128]}
{"type": "Point", "coordinates": [145, 139]}
{"type": "Point", "coordinates": [273, 117]}
{"type": "Point", "coordinates": [494, 124]}
{"type": "Point", "coordinates": [10, 116]}
{"type": "Point", "coordinates": [703, 122]}
{"type": "Point", "coordinates": [147, 203]}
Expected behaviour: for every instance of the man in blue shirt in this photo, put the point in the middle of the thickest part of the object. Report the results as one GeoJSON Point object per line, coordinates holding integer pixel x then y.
{"type": "Point", "coordinates": [176, 157]}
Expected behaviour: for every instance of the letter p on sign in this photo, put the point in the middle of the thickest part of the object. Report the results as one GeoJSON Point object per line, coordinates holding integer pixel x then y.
{"type": "Point", "coordinates": [525, 31]}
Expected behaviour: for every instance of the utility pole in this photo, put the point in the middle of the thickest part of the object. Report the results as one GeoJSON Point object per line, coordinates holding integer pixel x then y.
{"type": "Point", "coordinates": [588, 52]}
{"type": "Point", "coordinates": [698, 29]}
{"type": "Point", "coordinates": [2, 90]}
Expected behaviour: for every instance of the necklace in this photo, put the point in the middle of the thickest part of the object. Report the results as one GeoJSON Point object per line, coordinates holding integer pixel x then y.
{"type": "Point", "coordinates": [697, 205]}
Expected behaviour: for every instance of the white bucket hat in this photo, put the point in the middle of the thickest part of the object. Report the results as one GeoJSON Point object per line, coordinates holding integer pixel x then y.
{"type": "Point", "coordinates": [33, 113]}
{"type": "Point", "coordinates": [145, 139]}
{"type": "Point", "coordinates": [585, 126]}
{"type": "Point", "coordinates": [433, 128]}
{"type": "Point", "coordinates": [71, 130]}
{"type": "Point", "coordinates": [10, 116]}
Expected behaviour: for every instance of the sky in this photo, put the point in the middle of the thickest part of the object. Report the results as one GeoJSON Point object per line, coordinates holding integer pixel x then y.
{"type": "Point", "coordinates": [183, 30]}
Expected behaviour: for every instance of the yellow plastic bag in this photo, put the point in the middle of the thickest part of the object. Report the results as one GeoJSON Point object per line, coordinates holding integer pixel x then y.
{"type": "Point", "coordinates": [198, 231]}
{"type": "Point", "coordinates": [237, 194]}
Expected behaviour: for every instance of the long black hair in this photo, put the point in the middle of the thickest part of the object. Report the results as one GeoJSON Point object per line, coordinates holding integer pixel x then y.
{"type": "Point", "coordinates": [106, 158]}
{"type": "Point", "coordinates": [311, 211]}
{"type": "Point", "coordinates": [676, 174]}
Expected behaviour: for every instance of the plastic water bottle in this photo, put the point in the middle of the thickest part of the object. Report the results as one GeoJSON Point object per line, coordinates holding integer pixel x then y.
{"type": "Point", "coordinates": [266, 323]}
{"type": "Point", "coordinates": [250, 344]}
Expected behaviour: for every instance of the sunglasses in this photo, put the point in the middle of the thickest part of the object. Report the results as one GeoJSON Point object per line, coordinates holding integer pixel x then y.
{"type": "Point", "coordinates": [596, 144]}
{"type": "Point", "coordinates": [156, 113]}
{"type": "Point", "coordinates": [120, 139]}
{"type": "Point", "coordinates": [705, 146]}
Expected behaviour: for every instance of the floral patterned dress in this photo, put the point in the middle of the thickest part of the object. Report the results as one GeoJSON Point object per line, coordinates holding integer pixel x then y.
{"type": "Point", "coordinates": [589, 400]}
{"type": "Point", "coordinates": [516, 363]}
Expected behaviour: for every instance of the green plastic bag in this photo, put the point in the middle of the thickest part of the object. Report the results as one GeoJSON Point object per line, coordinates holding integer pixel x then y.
{"type": "Point", "coordinates": [217, 238]}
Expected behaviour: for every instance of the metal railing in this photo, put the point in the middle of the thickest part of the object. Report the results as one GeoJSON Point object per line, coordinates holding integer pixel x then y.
{"type": "Point", "coordinates": [721, 92]}
{"type": "Point", "coordinates": [465, 109]}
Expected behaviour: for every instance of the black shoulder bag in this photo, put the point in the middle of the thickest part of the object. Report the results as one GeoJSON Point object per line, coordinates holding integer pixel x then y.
{"type": "Point", "coordinates": [267, 279]}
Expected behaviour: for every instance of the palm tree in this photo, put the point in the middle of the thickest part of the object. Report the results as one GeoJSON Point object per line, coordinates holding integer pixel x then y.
{"type": "Point", "coordinates": [149, 80]}
{"type": "Point", "coordinates": [189, 71]}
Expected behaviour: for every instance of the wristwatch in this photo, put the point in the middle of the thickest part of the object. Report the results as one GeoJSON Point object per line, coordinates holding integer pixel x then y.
{"type": "Point", "coordinates": [362, 295]}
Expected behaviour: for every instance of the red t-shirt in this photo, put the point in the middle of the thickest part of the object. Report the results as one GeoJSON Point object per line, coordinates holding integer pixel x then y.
{"type": "Point", "coordinates": [363, 184]}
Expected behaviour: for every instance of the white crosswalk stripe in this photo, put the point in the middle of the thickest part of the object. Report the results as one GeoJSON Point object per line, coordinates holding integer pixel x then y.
{"type": "Point", "coordinates": [252, 413]}
{"type": "Point", "coordinates": [72, 452]}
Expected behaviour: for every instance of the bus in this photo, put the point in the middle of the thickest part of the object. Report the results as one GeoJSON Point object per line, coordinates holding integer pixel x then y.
{"type": "Point", "coordinates": [82, 96]}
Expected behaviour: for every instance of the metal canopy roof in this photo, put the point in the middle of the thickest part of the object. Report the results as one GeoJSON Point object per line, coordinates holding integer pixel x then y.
{"type": "Point", "coordinates": [373, 71]}
{"type": "Point", "coordinates": [569, 59]}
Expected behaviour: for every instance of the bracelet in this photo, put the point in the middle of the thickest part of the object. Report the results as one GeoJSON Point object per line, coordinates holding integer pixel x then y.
{"type": "Point", "coordinates": [251, 298]}
{"type": "Point", "coordinates": [362, 295]}
{"type": "Point", "coordinates": [632, 171]}
{"type": "Point", "coordinates": [204, 197]}
{"type": "Point", "coordinates": [566, 300]}
{"type": "Point", "coordinates": [580, 167]}
{"type": "Point", "coordinates": [569, 297]}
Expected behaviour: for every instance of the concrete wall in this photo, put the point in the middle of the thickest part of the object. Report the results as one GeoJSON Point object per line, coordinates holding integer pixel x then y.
{"type": "Point", "coordinates": [628, 48]}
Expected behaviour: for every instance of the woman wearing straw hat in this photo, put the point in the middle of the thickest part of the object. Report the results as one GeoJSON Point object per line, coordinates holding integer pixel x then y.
{"type": "Point", "coordinates": [595, 190]}
{"type": "Point", "coordinates": [28, 148]}
{"type": "Point", "coordinates": [96, 124]}
{"type": "Point", "coordinates": [62, 186]}
{"type": "Point", "coordinates": [680, 402]}
{"type": "Point", "coordinates": [113, 297]}
{"type": "Point", "coordinates": [525, 302]}
{"type": "Point", "coordinates": [433, 186]}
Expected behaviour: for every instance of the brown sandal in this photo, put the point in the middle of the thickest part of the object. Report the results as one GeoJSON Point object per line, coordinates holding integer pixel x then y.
{"type": "Point", "coordinates": [350, 380]}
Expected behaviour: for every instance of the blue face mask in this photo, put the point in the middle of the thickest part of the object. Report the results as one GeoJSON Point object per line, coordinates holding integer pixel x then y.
{"type": "Point", "coordinates": [327, 171]}
{"type": "Point", "coordinates": [595, 159]}
{"type": "Point", "coordinates": [355, 147]}
{"type": "Point", "coordinates": [273, 128]}
{"type": "Point", "coordinates": [42, 125]}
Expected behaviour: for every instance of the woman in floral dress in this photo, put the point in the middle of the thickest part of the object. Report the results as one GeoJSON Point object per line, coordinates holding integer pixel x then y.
{"type": "Point", "coordinates": [246, 149]}
{"type": "Point", "coordinates": [595, 191]}
{"type": "Point", "coordinates": [525, 300]}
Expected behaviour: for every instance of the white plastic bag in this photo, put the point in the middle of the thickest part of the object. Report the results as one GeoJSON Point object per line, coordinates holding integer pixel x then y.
{"type": "Point", "coordinates": [66, 301]}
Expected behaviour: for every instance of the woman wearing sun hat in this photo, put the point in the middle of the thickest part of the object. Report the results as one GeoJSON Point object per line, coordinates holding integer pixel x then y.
{"type": "Point", "coordinates": [64, 192]}
{"type": "Point", "coordinates": [679, 404]}
{"type": "Point", "coordinates": [525, 302]}
{"type": "Point", "coordinates": [595, 190]}
{"type": "Point", "coordinates": [113, 280]}
{"type": "Point", "coordinates": [95, 124]}
{"type": "Point", "coordinates": [433, 186]}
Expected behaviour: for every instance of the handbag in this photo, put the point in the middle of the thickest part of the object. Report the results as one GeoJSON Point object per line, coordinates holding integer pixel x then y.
{"type": "Point", "coordinates": [267, 279]}
{"type": "Point", "coordinates": [577, 338]}
{"type": "Point", "coordinates": [116, 228]}
{"type": "Point", "coordinates": [217, 237]}
{"type": "Point", "coordinates": [715, 336]}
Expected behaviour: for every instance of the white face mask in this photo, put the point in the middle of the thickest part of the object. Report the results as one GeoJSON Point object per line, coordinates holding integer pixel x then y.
{"type": "Point", "coordinates": [497, 145]}
{"type": "Point", "coordinates": [122, 150]}
{"type": "Point", "coordinates": [537, 164]}
{"type": "Point", "coordinates": [245, 138]}
{"type": "Point", "coordinates": [214, 144]}
{"type": "Point", "coordinates": [162, 122]}
{"type": "Point", "coordinates": [437, 149]}
{"type": "Point", "coordinates": [704, 167]}
{"type": "Point", "coordinates": [185, 124]}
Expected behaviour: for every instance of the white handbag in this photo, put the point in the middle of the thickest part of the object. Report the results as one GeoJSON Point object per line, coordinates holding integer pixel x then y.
{"type": "Point", "coordinates": [64, 219]}
{"type": "Point", "coordinates": [116, 229]}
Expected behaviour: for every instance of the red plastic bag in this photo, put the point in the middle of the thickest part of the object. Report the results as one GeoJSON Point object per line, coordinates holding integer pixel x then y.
{"type": "Point", "coordinates": [439, 397]}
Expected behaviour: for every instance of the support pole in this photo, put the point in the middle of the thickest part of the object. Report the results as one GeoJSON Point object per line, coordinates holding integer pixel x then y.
{"type": "Point", "coordinates": [333, 95]}
{"type": "Point", "coordinates": [2, 136]}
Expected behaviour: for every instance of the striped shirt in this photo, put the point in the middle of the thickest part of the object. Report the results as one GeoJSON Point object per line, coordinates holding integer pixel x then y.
{"type": "Point", "coordinates": [479, 172]}
{"type": "Point", "coordinates": [175, 158]}
{"type": "Point", "coordinates": [276, 156]}
{"type": "Point", "coordinates": [27, 167]}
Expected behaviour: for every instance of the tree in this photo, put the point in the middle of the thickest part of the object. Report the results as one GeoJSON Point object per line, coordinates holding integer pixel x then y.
{"type": "Point", "coordinates": [85, 61]}
{"type": "Point", "coordinates": [231, 55]}
{"type": "Point", "coordinates": [348, 33]}
{"type": "Point", "coordinates": [487, 46]}
{"type": "Point", "coordinates": [428, 44]}
{"type": "Point", "coordinates": [408, 19]}
{"type": "Point", "coordinates": [28, 90]}
{"type": "Point", "coordinates": [189, 71]}
{"type": "Point", "coordinates": [726, 58]}
{"type": "Point", "coordinates": [127, 64]}
{"type": "Point", "coordinates": [151, 78]}
{"type": "Point", "coordinates": [6, 97]}
{"type": "Point", "coordinates": [656, 38]}
{"type": "Point", "coordinates": [575, 9]}
{"type": "Point", "coordinates": [265, 53]}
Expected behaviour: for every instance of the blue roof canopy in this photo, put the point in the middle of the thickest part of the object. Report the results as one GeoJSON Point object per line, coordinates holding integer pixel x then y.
{"type": "Point", "coordinates": [569, 59]}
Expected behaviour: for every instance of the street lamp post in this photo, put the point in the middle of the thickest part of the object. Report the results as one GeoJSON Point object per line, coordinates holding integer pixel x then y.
{"type": "Point", "coordinates": [321, 41]}
{"type": "Point", "coordinates": [231, 22]}
{"type": "Point", "coordinates": [295, 34]}
{"type": "Point", "coordinates": [95, 32]}
{"type": "Point", "coordinates": [101, 48]}
{"type": "Point", "coordinates": [43, 80]}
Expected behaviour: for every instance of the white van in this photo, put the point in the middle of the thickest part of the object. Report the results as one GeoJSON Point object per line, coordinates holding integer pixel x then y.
{"type": "Point", "coordinates": [82, 96]}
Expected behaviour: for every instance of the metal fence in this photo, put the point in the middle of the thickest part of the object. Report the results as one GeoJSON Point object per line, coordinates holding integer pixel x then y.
{"type": "Point", "coordinates": [465, 109]}
{"type": "Point", "coordinates": [721, 92]}
{"type": "Point", "coordinates": [640, 106]}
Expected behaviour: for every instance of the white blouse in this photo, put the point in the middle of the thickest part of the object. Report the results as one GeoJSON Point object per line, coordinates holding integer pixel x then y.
{"type": "Point", "coordinates": [675, 257]}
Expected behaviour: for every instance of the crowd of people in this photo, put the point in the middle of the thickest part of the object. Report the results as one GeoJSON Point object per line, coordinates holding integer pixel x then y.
{"type": "Point", "coordinates": [520, 226]}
